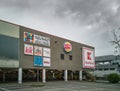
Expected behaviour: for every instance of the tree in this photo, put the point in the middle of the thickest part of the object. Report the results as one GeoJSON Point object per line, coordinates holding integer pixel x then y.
{"type": "Point", "coordinates": [116, 40]}
{"type": "Point", "coordinates": [113, 78]}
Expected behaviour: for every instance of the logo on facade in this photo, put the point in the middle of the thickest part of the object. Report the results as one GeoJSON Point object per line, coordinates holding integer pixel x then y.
{"type": "Point", "coordinates": [28, 49]}
{"type": "Point", "coordinates": [28, 37]}
{"type": "Point", "coordinates": [37, 50]}
{"type": "Point", "coordinates": [67, 47]}
{"type": "Point", "coordinates": [88, 58]}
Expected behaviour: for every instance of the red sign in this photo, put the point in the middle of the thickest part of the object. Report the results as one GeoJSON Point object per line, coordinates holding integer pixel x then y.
{"type": "Point", "coordinates": [28, 49]}
{"type": "Point", "coordinates": [88, 58]}
{"type": "Point", "coordinates": [67, 46]}
{"type": "Point", "coordinates": [89, 55]}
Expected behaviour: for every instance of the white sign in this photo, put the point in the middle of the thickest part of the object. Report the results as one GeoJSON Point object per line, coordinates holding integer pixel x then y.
{"type": "Point", "coordinates": [41, 40]}
{"type": "Point", "coordinates": [37, 50]}
{"type": "Point", "coordinates": [37, 39]}
{"type": "Point", "coordinates": [28, 49]}
{"type": "Point", "coordinates": [46, 52]}
{"type": "Point", "coordinates": [46, 62]}
{"type": "Point", "coordinates": [88, 58]}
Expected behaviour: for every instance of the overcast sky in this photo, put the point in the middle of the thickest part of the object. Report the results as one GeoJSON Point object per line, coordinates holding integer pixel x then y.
{"type": "Point", "coordinates": [83, 21]}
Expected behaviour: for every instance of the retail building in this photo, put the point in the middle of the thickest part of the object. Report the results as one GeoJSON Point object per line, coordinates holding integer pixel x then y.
{"type": "Point", "coordinates": [27, 54]}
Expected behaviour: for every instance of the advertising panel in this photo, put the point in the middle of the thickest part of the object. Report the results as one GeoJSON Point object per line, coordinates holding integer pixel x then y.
{"type": "Point", "coordinates": [41, 40]}
{"type": "Point", "coordinates": [88, 58]}
{"type": "Point", "coordinates": [28, 37]}
{"type": "Point", "coordinates": [67, 47]}
{"type": "Point", "coordinates": [37, 39]}
{"type": "Point", "coordinates": [37, 50]}
{"type": "Point", "coordinates": [46, 52]}
{"type": "Point", "coordinates": [46, 62]}
{"type": "Point", "coordinates": [38, 61]}
{"type": "Point", "coordinates": [28, 49]}
{"type": "Point", "coordinates": [45, 41]}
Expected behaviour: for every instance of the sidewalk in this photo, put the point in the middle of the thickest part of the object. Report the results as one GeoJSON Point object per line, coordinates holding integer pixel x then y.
{"type": "Point", "coordinates": [16, 86]}
{"type": "Point", "coordinates": [60, 86]}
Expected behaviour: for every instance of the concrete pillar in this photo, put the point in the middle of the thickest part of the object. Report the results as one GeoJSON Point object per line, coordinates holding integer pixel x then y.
{"type": "Point", "coordinates": [44, 75]}
{"type": "Point", "coordinates": [65, 75]}
{"type": "Point", "coordinates": [53, 75]}
{"type": "Point", "coordinates": [37, 75]}
{"type": "Point", "coordinates": [80, 75]}
{"type": "Point", "coordinates": [3, 76]}
{"type": "Point", "coordinates": [72, 75]}
{"type": "Point", "coordinates": [20, 75]}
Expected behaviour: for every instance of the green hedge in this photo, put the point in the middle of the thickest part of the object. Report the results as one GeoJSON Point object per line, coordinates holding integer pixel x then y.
{"type": "Point", "coordinates": [113, 78]}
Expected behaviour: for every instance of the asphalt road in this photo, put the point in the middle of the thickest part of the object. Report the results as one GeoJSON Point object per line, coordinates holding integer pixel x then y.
{"type": "Point", "coordinates": [61, 86]}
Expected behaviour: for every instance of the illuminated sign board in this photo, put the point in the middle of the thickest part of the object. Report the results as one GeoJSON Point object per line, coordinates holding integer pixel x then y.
{"type": "Point", "coordinates": [28, 37]}
{"type": "Point", "coordinates": [38, 61]}
{"type": "Point", "coordinates": [37, 50]}
{"type": "Point", "coordinates": [67, 47]}
{"type": "Point", "coordinates": [41, 40]}
{"type": "Point", "coordinates": [28, 49]}
{"type": "Point", "coordinates": [88, 57]}
{"type": "Point", "coordinates": [46, 62]}
{"type": "Point", "coordinates": [46, 52]}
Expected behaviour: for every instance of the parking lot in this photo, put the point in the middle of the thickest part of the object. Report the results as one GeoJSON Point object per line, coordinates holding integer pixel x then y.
{"type": "Point", "coordinates": [60, 86]}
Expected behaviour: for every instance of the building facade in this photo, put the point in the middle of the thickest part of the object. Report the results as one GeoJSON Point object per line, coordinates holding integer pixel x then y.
{"type": "Point", "coordinates": [27, 54]}
{"type": "Point", "coordinates": [106, 65]}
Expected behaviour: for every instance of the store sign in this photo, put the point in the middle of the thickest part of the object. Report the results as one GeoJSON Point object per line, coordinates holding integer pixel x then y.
{"type": "Point", "coordinates": [46, 62]}
{"type": "Point", "coordinates": [37, 39]}
{"type": "Point", "coordinates": [28, 37]}
{"type": "Point", "coordinates": [46, 52]}
{"type": "Point", "coordinates": [67, 47]}
{"type": "Point", "coordinates": [38, 61]}
{"type": "Point", "coordinates": [41, 40]}
{"type": "Point", "coordinates": [28, 49]}
{"type": "Point", "coordinates": [37, 50]}
{"type": "Point", "coordinates": [88, 58]}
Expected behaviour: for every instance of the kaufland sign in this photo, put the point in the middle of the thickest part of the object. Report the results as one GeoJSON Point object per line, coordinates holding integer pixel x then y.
{"type": "Point", "coordinates": [88, 57]}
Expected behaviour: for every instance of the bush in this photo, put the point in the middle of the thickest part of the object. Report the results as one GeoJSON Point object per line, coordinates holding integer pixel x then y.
{"type": "Point", "coordinates": [113, 78]}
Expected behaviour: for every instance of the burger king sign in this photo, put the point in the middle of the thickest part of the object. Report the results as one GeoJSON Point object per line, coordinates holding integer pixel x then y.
{"type": "Point", "coordinates": [67, 47]}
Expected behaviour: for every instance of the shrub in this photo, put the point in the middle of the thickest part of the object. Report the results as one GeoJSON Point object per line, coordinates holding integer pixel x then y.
{"type": "Point", "coordinates": [113, 78]}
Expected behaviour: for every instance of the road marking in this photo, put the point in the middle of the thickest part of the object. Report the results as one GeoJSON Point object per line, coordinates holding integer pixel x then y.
{"type": "Point", "coordinates": [4, 89]}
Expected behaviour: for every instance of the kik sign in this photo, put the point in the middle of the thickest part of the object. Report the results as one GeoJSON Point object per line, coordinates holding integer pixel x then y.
{"type": "Point", "coordinates": [28, 49]}
{"type": "Point", "coordinates": [88, 58]}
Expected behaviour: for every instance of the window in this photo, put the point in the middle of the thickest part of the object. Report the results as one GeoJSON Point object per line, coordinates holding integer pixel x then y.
{"type": "Point", "coordinates": [62, 56]}
{"type": "Point", "coordinates": [95, 69]}
{"type": "Point", "coordinates": [100, 69]}
{"type": "Point", "coordinates": [112, 68]}
{"type": "Point", "coordinates": [70, 57]}
{"type": "Point", "coordinates": [55, 42]}
{"type": "Point", "coordinates": [106, 69]}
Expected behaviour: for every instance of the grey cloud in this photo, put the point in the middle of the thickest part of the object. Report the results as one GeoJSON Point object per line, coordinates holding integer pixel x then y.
{"type": "Point", "coordinates": [86, 20]}
{"type": "Point", "coordinates": [19, 4]}
{"type": "Point", "coordinates": [84, 10]}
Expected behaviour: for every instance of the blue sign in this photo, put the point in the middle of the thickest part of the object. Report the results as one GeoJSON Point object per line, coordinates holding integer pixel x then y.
{"type": "Point", "coordinates": [38, 61]}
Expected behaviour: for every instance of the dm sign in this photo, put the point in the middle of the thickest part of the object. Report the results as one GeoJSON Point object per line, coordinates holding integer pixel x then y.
{"type": "Point", "coordinates": [67, 47]}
